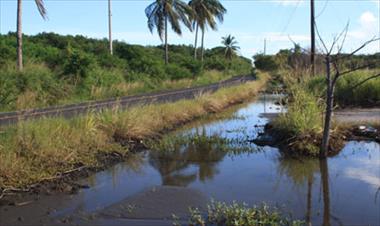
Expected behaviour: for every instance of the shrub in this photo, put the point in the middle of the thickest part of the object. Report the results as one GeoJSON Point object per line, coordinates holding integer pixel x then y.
{"type": "Point", "coordinates": [77, 64]}
{"type": "Point", "coordinates": [364, 95]}
{"type": "Point", "coordinates": [174, 71]}
{"type": "Point", "coordinates": [8, 89]}
{"type": "Point", "coordinates": [265, 62]}
{"type": "Point", "coordinates": [34, 86]}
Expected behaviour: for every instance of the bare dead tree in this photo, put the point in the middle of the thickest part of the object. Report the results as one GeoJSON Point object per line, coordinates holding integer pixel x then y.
{"type": "Point", "coordinates": [334, 71]}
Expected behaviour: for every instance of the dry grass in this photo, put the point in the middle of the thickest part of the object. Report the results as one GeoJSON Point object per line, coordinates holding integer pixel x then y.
{"type": "Point", "coordinates": [33, 150]}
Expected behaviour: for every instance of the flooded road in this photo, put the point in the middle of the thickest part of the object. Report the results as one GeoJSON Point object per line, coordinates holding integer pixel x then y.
{"type": "Point", "coordinates": [151, 186]}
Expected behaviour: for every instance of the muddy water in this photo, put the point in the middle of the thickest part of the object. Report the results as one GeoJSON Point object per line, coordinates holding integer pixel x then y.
{"type": "Point", "coordinates": [150, 187]}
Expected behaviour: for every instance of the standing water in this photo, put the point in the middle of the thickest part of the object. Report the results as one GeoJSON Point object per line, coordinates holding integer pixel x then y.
{"type": "Point", "coordinates": [150, 187]}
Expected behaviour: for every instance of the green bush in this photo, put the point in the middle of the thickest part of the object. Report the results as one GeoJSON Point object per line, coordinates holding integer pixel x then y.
{"type": "Point", "coordinates": [366, 94]}
{"type": "Point", "coordinates": [174, 71]}
{"type": "Point", "coordinates": [103, 78]}
{"type": "Point", "coordinates": [77, 64]}
{"type": "Point", "coordinates": [83, 69]}
{"type": "Point", "coordinates": [265, 62]}
{"type": "Point", "coordinates": [34, 86]}
{"type": "Point", "coordinates": [363, 95]}
{"type": "Point", "coordinates": [8, 89]}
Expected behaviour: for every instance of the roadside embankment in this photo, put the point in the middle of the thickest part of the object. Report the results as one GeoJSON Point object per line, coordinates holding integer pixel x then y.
{"type": "Point", "coordinates": [51, 150]}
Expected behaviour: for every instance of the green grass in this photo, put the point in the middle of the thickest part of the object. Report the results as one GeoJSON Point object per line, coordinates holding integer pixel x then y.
{"type": "Point", "coordinates": [302, 124]}
{"type": "Point", "coordinates": [200, 142]}
{"type": "Point", "coordinates": [38, 86]}
{"type": "Point", "coordinates": [34, 150]}
{"type": "Point", "coordinates": [221, 213]}
{"type": "Point", "coordinates": [304, 111]}
{"type": "Point", "coordinates": [367, 94]}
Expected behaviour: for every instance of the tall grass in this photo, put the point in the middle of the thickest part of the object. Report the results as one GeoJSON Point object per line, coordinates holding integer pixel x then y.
{"type": "Point", "coordinates": [33, 150]}
{"type": "Point", "coordinates": [302, 124]}
{"type": "Point", "coordinates": [304, 113]}
{"type": "Point", "coordinates": [39, 86]}
{"type": "Point", "coordinates": [367, 94]}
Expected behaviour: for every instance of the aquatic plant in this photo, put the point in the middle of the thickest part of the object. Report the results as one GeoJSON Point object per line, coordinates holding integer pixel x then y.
{"type": "Point", "coordinates": [221, 213]}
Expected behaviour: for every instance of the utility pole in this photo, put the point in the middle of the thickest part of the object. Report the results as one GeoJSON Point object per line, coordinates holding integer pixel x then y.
{"type": "Point", "coordinates": [312, 27]}
{"type": "Point", "coordinates": [110, 26]}
{"type": "Point", "coordinates": [265, 46]}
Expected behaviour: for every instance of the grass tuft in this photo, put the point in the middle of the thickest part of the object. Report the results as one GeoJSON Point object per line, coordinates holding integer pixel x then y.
{"type": "Point", "coordinates": [221, 213]}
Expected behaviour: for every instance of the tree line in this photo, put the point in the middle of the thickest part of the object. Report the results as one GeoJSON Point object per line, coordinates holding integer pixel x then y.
{"type": "Point", "coordinates": [194, 15]}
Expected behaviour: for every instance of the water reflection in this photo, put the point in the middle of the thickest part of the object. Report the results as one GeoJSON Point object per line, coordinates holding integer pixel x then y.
{"type": "Point", "coordinates": [325, 191]}
{"type": "Point", "coordinates": [301, 171]}
{"type": "Point", "coordinates": [190, 162]}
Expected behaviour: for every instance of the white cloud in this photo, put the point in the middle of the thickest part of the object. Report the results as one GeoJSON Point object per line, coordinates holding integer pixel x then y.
{"type": "Point", "coordinates": [364, 175]}
{"type": "Point", "coordinates": [368, 26]}
{"type": "Point", "coordinates": [367, 19]}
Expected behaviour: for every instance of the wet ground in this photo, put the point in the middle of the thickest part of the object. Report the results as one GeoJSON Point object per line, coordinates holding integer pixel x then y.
{"type": "Point", "coordinates": [151, 186]}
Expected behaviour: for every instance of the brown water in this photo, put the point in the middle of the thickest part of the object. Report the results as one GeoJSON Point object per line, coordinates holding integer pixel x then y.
{"type": "Point", "coordinates": [146, 190]}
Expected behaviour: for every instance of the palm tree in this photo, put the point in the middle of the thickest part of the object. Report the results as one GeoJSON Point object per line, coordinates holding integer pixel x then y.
{"type": "Point", "coordinates": [206, 12]}
{"type": "Point", "coordinates": [110, 27]}
{"type": "Point", "coordinates": [160, 12]}
{"type": "Point", "coordinates": [42, 10]}
{"type": "Point", "coordinates": [230, 46]}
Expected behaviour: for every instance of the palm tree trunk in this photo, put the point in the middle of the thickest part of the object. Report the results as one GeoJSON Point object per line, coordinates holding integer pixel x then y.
{"type": "Point", "coordinates": [110, 27]}
{"type": "Point", "coordinates": [166, 41]}
{"type": "Point", "coordinates": [19, 35]}
{"type": "Point", "coordinates": [202, 45]}
{"type": "Point", "coordinates": [196, 41]}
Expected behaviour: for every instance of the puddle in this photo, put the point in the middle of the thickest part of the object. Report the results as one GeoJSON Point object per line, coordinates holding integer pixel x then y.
{"type": "Point", "coordinates": [344, 190]}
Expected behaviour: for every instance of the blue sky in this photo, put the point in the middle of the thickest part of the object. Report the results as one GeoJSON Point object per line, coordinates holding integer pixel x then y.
{"type": "Point", "coordinates": [250, 21]}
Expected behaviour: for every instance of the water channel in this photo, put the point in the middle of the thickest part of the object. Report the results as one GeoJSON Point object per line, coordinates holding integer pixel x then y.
{"type": "Point", "coordinates": [150, 186]}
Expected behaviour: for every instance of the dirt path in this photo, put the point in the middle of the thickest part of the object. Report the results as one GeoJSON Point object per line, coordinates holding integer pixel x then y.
{"type": "Point", "coordinates": [358, 115]}
{"type": "Point", "coordinates": [72, 110]}
{"type": "Point", "coordinates": [349, 115]}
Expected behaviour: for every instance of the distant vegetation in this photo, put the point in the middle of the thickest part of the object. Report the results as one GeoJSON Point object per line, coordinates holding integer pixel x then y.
{"type": "Point", "coordinates": [64, 69]}
{"type": "Point", "coordinates": [295, 63]}
{"type": "Point", "coordinates": [296, 59]}
{"type": "Point", "coordinates": [347, 92]}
